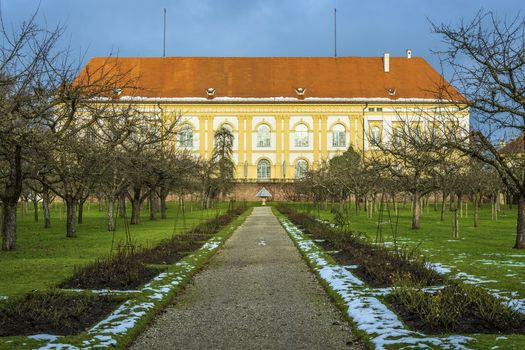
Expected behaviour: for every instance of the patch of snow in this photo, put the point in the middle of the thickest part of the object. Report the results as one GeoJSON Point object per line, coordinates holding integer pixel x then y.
{"type": "Point", "coordinates": [510, 263]}
{"type": "Point", "coordinates": [103, 291]}
{"type": "Point", "coordinates": [351, 267]}
{"type": "Point", "coordinates": [270, 99]}
{"type": "Point", "coordinates": [465, 277]}
{"type": "Point", "coordinates": [439, 268]}
{"type": "Point", "coordinates": [57, 346]}
{"type": "Point", "coordinates": [49, 337]}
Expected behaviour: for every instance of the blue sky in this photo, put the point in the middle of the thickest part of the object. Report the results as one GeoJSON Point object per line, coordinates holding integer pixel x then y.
{"type": "Point", "coordinates": [252, 27]}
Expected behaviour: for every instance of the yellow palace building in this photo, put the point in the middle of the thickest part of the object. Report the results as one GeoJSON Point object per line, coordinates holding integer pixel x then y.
{"type": "Point", "coordinates": [286, 113]}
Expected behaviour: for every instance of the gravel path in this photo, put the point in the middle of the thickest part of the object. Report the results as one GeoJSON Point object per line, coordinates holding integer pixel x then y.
{"type": "Point", "coordinates": [255, 293]}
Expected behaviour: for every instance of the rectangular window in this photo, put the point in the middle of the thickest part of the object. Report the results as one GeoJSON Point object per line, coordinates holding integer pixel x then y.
{"type": "Point", "coordinates": [397, 135]}
{"type": "Point", "coordinates": [339, 139]}
{"type": "Point", "coordinates": [375, 136]}
{"type": "Point", "coordinates": [301, 139]}
{"type": "Point", "coordinates": [264, 142]}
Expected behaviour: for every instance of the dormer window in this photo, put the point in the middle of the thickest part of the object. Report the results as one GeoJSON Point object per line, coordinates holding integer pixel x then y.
{"type": "Point", "coordinates": [210, 92]}
{"type": "Point", "coordinates": [300, 91]}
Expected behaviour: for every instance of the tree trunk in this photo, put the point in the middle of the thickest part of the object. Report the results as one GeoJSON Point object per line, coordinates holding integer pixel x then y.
{"type": "Point", "coordinates": [416, 211]}
{"type": "Point", "coordinates": [520, 227]}
{"type": "Point", "coordinates": [435, 202]}
{"type": "Point", "coordinates": [455, 224]}
{"type": "Point", "coordinates": [80, 212]}
{"type": "Point", "coordinates": [46, 206]}
{"type": "Point", "coordinates": [163, 209]}
{"type": "Point", "coordinates": [111, 213]}
{"type": "Point", "coordinates": [492, 206]}
{"type": "Point", "coordinates": [460, 203]}
{"type": "Point", "coordinates": [35, 208]}
{"type": "Point", "coordinates": [443, 199]}
{"type": "Point", "coordinates": [71, 208]}
{"type": "Point", "coordinates": [122, 205]}
{"type": "Point", "coordinates": [135, 207]}
{"type": "Point", "coordinates": [9, 226]}
{"type": "Point", "coordinates": [13, 189]}
{"type": "Point", "coordinates": [476, 207]}
{"type": "Point", "coordinates": [152, 206]}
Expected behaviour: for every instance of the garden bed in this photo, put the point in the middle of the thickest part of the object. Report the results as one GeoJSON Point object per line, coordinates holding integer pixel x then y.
{"type": "Point", "coordinates": [53, 312]}
{"type": "Point", "coordinates": [457, 307]}
{"type": "Point", "coordinates": [453, 307]}
{"type": "Point", "coordinates": [168, 251]}
{"type": "Point", "coordinates": [119, 328]}
{"type": "Point", "coordinates": [129, 270]}
{"type": "Point", "coordinates": [377, 265]}
{"type": "Point", "coordinates": [120, 271]}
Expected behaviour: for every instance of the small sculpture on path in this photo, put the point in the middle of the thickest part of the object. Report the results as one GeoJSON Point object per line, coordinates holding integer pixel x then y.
{"type": "Point", "coordinates": [263, 194]}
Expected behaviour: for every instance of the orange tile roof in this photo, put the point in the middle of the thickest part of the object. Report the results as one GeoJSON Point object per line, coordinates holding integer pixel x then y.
{"type": "Point", "coordinates": [256, 77]}
{"type": "Point", "coordinates": [516, 146]}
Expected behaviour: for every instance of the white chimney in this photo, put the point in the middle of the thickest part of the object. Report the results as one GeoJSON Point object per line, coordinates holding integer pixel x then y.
{"type": "Point", "coordinates": [386, 62]}
{"type": "Point", "coordinates": [409, 53]}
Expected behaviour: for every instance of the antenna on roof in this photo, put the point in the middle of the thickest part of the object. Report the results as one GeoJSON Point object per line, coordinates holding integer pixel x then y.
{"type": "Point", "coordinates": [164, 48]}
{"type": "Point", "coordinates": [335, 32]}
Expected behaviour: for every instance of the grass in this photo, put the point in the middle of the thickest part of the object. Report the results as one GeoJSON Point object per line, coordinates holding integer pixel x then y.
{"type": "Point", "coordinates": [45, 257]}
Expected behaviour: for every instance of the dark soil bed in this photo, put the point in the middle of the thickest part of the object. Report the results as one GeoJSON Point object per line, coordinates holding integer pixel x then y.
{"type": "Point", "coordinates": [378, 266]}
{"type": "Point", "coordinates": [118, 272]}
{"type": "Point", "coordinates": [168, 252]}
{"type": "Point", "coordinates": [192, 237]}
{"type": "Point", "coordinates": [53, 313]}
{"type": "Point", "coordinates": [343, 257]}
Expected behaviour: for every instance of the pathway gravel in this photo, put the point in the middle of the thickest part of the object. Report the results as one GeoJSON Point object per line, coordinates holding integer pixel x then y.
{"type": "Point", "coordinates": [255, 293]}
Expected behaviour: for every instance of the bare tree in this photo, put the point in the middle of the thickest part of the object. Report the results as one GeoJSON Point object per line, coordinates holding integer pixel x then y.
{"type": "Point", "coordinates": [411, 154]}
{"type": "Point", "coordinates": [487, 56]}
{"type": "Point", "coordinates": [27, 57]}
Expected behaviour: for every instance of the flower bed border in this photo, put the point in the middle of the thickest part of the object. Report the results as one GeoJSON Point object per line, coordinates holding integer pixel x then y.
{"type": "Point", "coordinates": [370, 317]}
{"type": "Point", "coordinates": [120, 328]}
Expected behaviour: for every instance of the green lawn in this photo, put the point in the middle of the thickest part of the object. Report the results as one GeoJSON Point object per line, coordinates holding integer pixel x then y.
{"type": "Point", "coordinates": [484, 252]}
{"type": "Point", "coordinates": [44, 257]}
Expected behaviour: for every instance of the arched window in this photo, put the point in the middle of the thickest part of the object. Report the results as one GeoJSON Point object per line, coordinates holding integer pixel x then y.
{"type": "Point", "coordinates": [263, 136]}
{"type": "Point", "coordinates": [227, 127]}
{"type": "Point", "coordinates": [186, 136]}
{"type": "Point", "coordinates": [301, 135]}
{"type": "Point", "coordinates": [339, 136]}
{"type": "Point", "coordinates": [263, 169]}
{"type": "Point", "coordinates": [301, 168]}
{"type": "Point", "coordinates": [375, 135]}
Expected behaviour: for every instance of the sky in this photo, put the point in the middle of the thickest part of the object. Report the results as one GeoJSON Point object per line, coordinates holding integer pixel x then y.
{"type": "Point", "coordinates": [251, 27]}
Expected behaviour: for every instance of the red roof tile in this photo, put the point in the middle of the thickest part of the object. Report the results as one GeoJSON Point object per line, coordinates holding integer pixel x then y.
{"type": "Point", "coordinates": [255, 77]}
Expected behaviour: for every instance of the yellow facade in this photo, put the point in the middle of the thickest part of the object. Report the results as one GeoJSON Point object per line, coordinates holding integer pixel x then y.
{"type": "Point", "coordinates": [323, 129]}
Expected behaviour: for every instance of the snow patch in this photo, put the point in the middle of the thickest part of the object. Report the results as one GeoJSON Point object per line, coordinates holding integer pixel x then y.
{"type": "Point", "coordinates": [439, 268]}
{"type": "Point", "coordinates": [49, 337]}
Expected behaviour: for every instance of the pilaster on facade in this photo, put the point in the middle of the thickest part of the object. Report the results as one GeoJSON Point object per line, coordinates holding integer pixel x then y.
{"type": "Point", "coordinates": [324, 137]}
{"type": "Point", "coordinates": [202, 137]}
